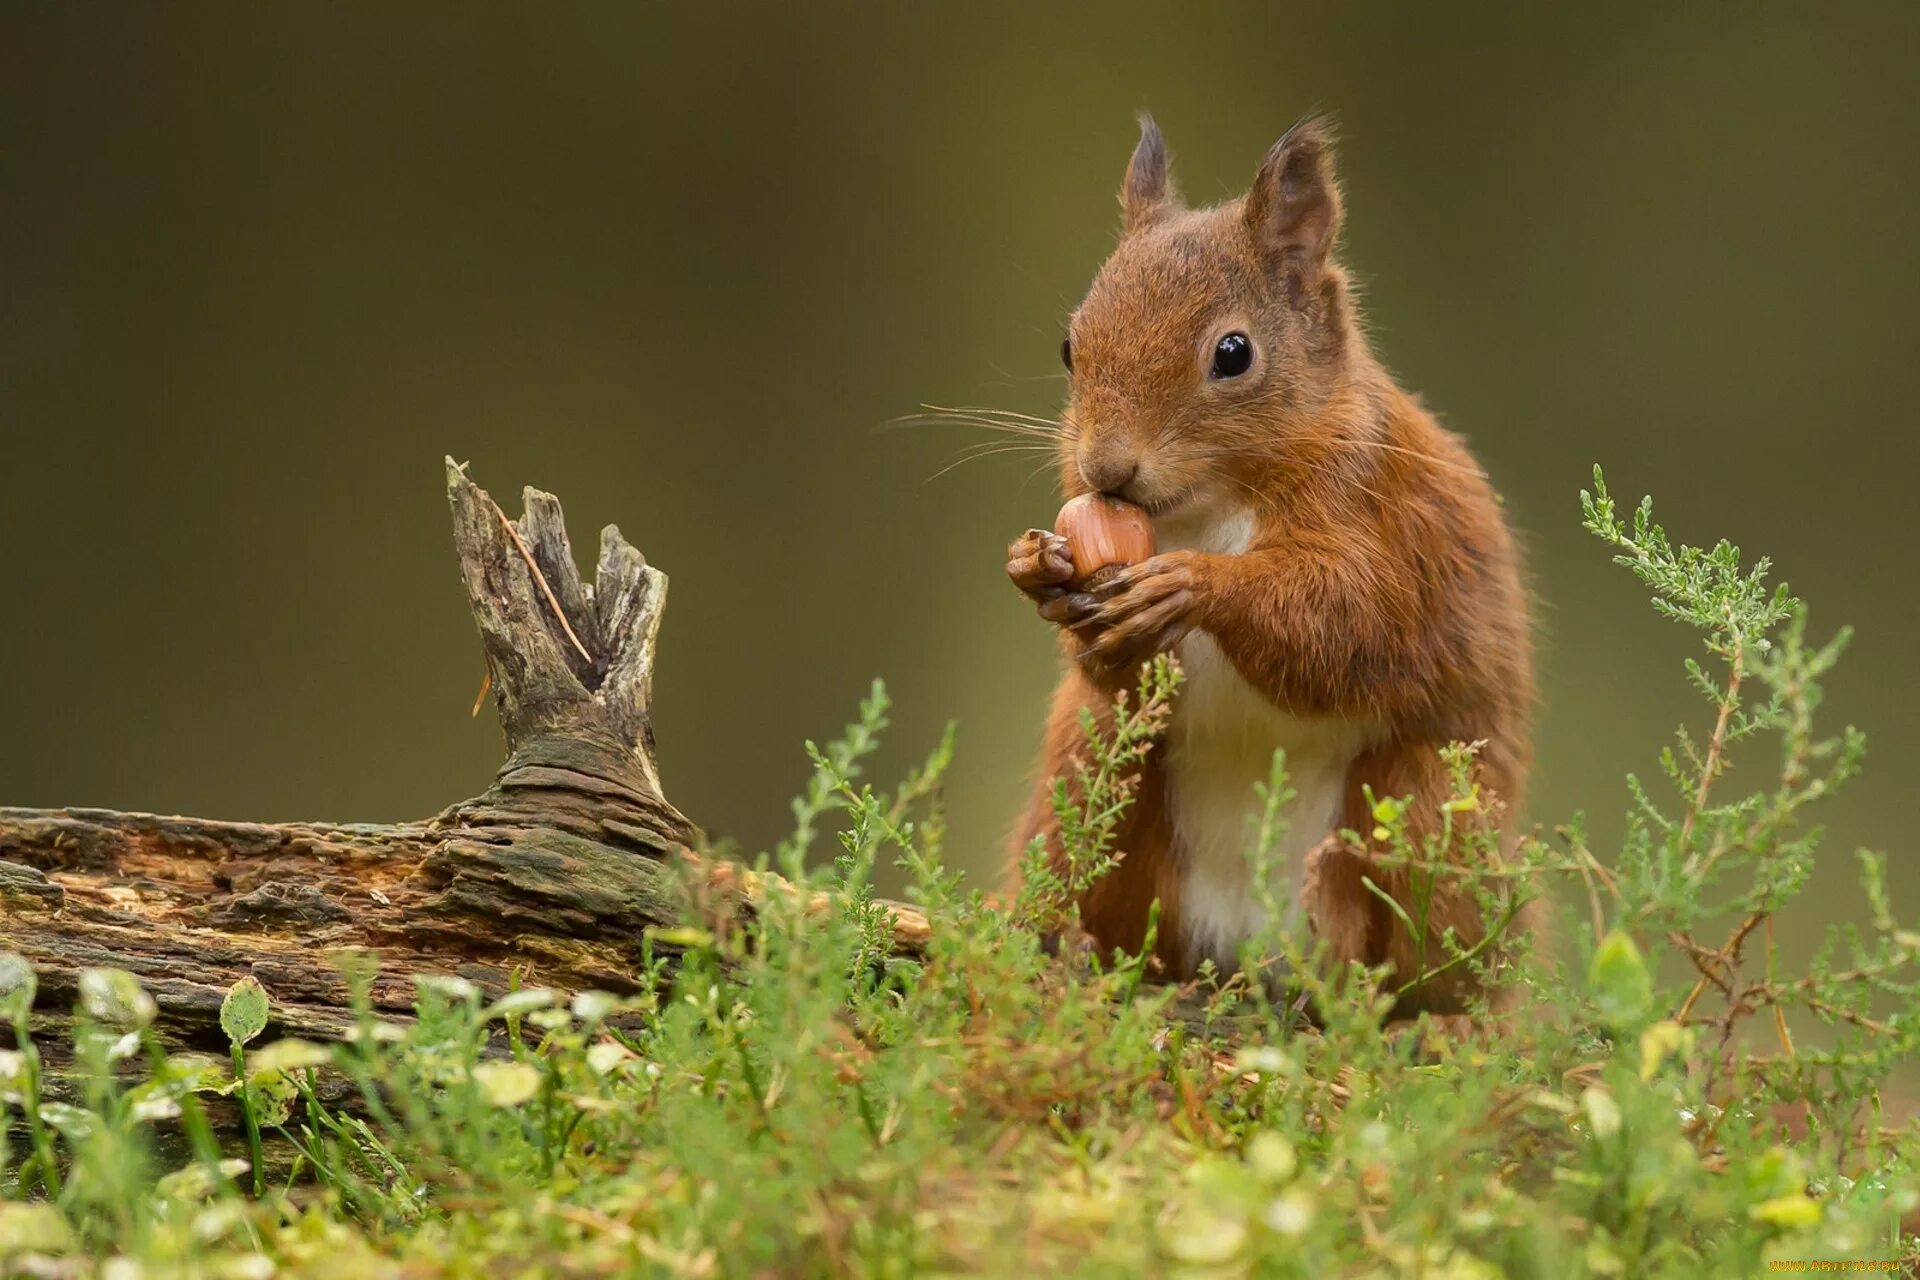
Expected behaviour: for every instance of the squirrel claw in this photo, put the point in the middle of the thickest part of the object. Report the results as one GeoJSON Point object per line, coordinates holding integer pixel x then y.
{"type": "Point", "coordinates": [1040, 564]}
{"type": "Point", "coordinates": [1145, 611]}
{"type": "Point", "coordinates": [1070, 609]}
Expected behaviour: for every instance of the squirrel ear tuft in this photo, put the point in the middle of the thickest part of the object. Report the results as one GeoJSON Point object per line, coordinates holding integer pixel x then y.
{"type": "Point", "coordinates": [1147, 195]}
{"type": "Point", "coordinates": [1293, 208]}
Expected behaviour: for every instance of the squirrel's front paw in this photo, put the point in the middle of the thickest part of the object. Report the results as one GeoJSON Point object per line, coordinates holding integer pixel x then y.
{"type": "Point", "coordinates": [1131, 616]}
{"type": "Point", "coordinates": [1040, 564]}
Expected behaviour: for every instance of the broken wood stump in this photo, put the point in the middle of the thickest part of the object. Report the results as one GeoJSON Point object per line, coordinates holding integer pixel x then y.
{"type": "Point", "coordinates": [550, 877]}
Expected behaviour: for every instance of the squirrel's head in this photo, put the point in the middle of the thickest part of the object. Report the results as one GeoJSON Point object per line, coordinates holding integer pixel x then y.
{"type": "Point", "coordinates": [1212, 339]}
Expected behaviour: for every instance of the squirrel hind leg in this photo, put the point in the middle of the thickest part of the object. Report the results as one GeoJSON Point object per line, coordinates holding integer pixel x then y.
{"type": "Point", "coordinates": [1116, 911]}
{"type": "Point", "coordinates": [1350, 916]}
{"type": "Point", "coordinates": [1339, 909]}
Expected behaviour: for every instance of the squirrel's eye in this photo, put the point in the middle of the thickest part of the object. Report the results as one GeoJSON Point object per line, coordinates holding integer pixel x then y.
{"type": "Point", "coordinates": [1232, 355]}
{"type": "Point", "coordinates": [1066, 353]}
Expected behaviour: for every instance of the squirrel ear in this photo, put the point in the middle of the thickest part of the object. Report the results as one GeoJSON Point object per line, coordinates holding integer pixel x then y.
{"type": "Point", "coordinates": [1293, 208]}
{"type": "Point", "coordinates": [1147, 195]}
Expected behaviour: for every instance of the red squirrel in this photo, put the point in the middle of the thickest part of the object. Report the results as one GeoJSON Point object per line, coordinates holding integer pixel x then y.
{"type": "Point", "coordinates": [1333, 573]}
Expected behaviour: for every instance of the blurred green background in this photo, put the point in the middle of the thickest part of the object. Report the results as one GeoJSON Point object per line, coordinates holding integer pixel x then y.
{"type": "Point", "coordinates": [262, 266]}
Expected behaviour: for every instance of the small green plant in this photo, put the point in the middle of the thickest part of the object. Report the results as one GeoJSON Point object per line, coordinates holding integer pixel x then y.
{"type": "Point", "coordinates": [20, 1075]}
{"type": "Point", "coordinates": [243, 1016]}
{"type": "Point", "coordinates": [1088, 806]}
{"type": "Point", "coordinates": [794, 1095]}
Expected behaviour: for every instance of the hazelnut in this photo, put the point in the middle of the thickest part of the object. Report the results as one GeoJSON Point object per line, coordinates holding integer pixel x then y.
{"type": "Point", "coordinates": [1103, 534]}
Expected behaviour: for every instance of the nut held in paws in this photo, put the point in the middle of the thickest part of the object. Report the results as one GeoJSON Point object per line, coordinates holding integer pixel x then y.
{"type": "Point", "coordinates": [1103, 533]}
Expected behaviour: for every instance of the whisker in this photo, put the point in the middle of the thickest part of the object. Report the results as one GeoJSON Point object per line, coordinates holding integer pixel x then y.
{"type": "Point", "coordinates": [1338, 478]}
{"type": "Point", "coordinates": [1263, 499]}
{"type": "Point", "coordinates": [993, 449]}
{"type": "Point", "coordinates": [1308, 464]}
{"type": "Point", "coordinates": [987, 448]}
{"type": "Point", "coordinates": [988, 424]}
{"type": "Point", "coordinates": [930, 420]}
{"type": "Point", "coordinates": [989, 410]}
{"type": "Point", "coordinates": [1029, 478]}
{"type": "Point", "coordinates": [1415, 453]}
{"type": "Point", "coordinates": [992, 414]}
{"type": "Point", "coordinates": [1382, 445]}
{"type": "Point", "coordinates": [1058, 375]}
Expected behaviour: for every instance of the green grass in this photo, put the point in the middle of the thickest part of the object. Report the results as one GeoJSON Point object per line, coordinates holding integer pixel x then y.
{"type": "Point", "coordinates": [792, 1098]}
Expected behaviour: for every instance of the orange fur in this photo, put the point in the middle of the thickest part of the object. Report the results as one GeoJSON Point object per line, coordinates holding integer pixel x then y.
{"type": "Point", "coordinates": [1371, 585]}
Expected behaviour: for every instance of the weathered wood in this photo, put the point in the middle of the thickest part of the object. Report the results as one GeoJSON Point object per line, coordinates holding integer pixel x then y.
{"type": "Point", "coordinates": [551, 876]}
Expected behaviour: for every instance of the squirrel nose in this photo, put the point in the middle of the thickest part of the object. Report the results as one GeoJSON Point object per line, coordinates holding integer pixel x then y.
{"type": "Point", "coordinates": [1109, 474]}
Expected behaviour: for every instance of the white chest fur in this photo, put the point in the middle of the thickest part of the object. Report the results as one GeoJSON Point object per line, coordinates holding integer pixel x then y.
{"type": "Point", "coordinates": [1220, 743]}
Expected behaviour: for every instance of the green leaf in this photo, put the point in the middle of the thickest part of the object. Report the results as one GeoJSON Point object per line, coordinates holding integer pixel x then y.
{"type": "Point", "coordinates": [607, 1056]}
{"type": "Point", "coordinates": [595, 1006]}
{"type": "Point", "coordinates": [1618, 981]}
{"type": "Point", "coordinates": [685, 937]}
{"type": "Point", "coordinates": [518, 1003]}
{"type": "Point", "coordinates": [273, 1097]}
{"type": "Point", "coordinates": [152, 1110]}
{"type": "Point", "coordinates": [507, 1084]}
{"type": "Point", "coordinates": [114, 997]}
{"type": "Point", "coordinates": [1775, 1173]}
{"type": "Point", "coordinates": [17, 985]}
{"type": "Point", "coordinates": [33, 1228]}
{"type": "Point", "coordinates": [1271, 1157]}
{"type": "Point", "coordinates": [1204, 1235]}
{"type": "Point", "coordinates": [243, 1014]}
{"type": "Point", "coordinates": [196, 1181]}
{"type": "Point", "coordinates": [75, 1123]}
{"type": "Point", "coordinates": [287, 1055]}
{"type": "Point", "coordinates": [1795, 1210]}
{"type": "Point", "coordinates": [1661, 1041]}
{"type": "Point", "coordinates": [1602, 1112]}
{"type": "Point", "coordinates": [1291, 1213]}
{"type": "Point", "coordinates": [450, 987]}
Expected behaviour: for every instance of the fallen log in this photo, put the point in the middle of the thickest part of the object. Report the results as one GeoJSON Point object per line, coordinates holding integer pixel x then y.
{"type": "Point", "coordinates": [551, 877]}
